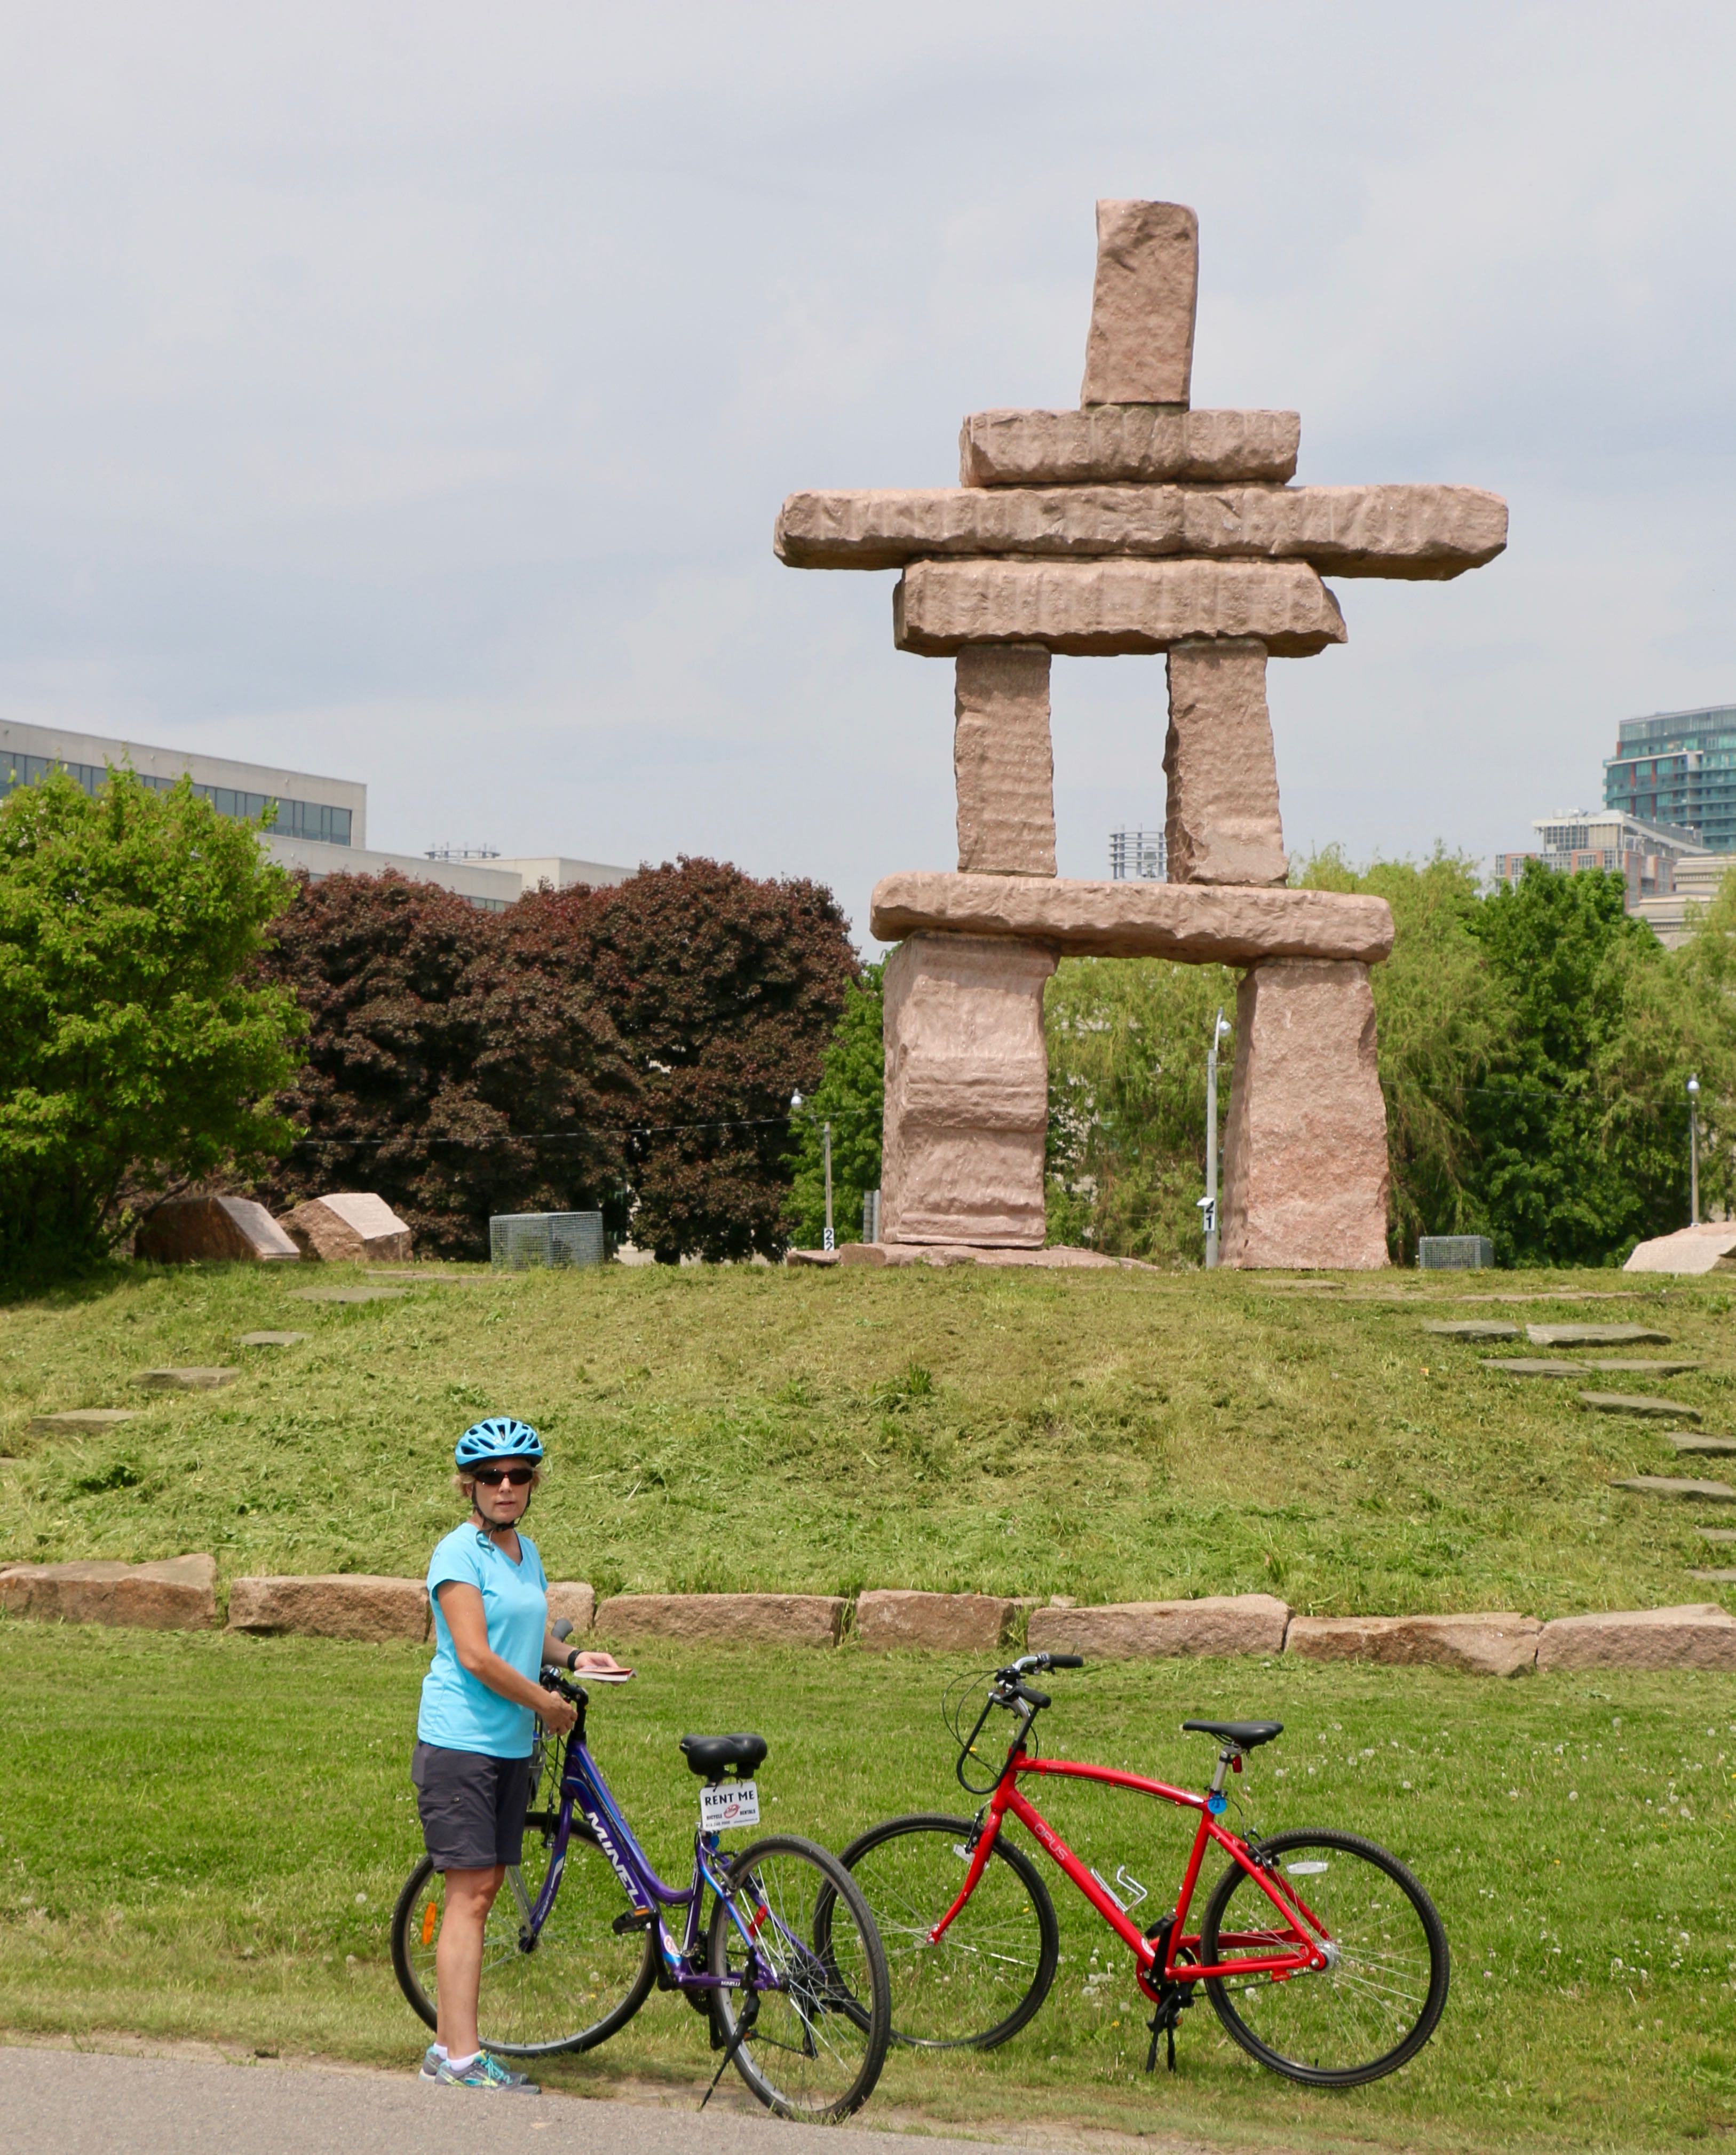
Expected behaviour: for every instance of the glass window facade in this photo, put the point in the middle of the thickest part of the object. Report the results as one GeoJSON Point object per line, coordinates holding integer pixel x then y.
{"type": "Point", "coordinates": [294, 819]}
{"type": "Point", "coordinates": [1678, 767]}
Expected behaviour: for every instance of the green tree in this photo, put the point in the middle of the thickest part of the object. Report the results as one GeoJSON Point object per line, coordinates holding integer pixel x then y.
{"type": "Point", "coordinates": [135, 1051]}
{"type": "Point", "coordinates": [1127, 1042]}
{"type": "Point", "coordinates": [851, 1096]}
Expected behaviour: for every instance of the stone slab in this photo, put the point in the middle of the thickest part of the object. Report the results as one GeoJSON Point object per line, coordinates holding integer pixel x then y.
{"type": "Point", "coordinates": [1003, 762]}
{"type": "Point", "coordinates": [1111, 609]}
{"type": "Point", "coordinates": [765, 1620]}
{"type": "Point", "coordinates": [1670, 1485]}
{"type": "Point", "coordinates": [350, 1226]}
{"type": "Point", "coordinates": [1222, 824]}
{"type": "Point", "coordinates": [1146, 1630]}
{"type": "Point", "coordinates": [1472, 1328]}
{"type": "Point", "coordinates": [1503, 1644]}
{"type": "Point", "coordinates": [1718, 1533]}
{"type": "Point", "coordinates": [967, 1098]}
{"type": "Point", "coordinates": [1715, 1578]}
{"type": "Point", "coordinates": [1709, 1247]}
{"type": "Point", "coordinates": [1130, 444]}
{"type": "Point", "coordinates": [1635, 1403]}
{"type": "Point", "coordinates": [1595, 1335]}
{"type": "Point", "coordinates": [1699, 1635]}
{"type": "Point", "coordinates": [357, 1605]}
{"type": "Point", "coordinates": [1691, 1440]}
{"type": "Point", "coordinates": [209, 1379]}
{"type": "Point", "coordinates": [1139, 349]}
{"type": "Point", "coordinates": [271, 1339]}
{"type": "Point", "coordinates": [81, 1421]}
{"type": "Point", "coordinates": [1055, 1256]}
{"type": "Point", "coordinates": [1195, 924]}
{"type": "Point", "coordinates": [960, 1623]}
{"type": "Point", "coordinates": [1306, 1176]}
{"type": "Point", "coordinates": [178, 1594]}
{"type": "Point", "coordinates": [1523, 1366]}
{"type": "Point", "coordinates": [575, 1600]}
{"type": "Point", "coordinates": [202, 1229]}
{"type": "Point", "coordinates": [1413, 533]}
{"type": "Point", "coordinates": [349, 1294]}
{"type": "Point", "coordinates": [1676, 1368]}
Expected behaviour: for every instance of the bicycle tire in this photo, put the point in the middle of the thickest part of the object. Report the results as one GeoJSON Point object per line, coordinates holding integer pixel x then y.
{"type": "Point", "coordinates": [808, 1916]}
{"type": "Point", "coordinates": [1383, 1982]}
{"type": "Point", "coordinates": [526, 2000]}
{"type": "Point", "coordinates": [1007, 1924]}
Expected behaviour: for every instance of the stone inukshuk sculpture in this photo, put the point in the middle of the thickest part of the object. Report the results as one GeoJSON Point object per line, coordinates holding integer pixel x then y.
{"type": "Point", "coordinates": [1132, 525]}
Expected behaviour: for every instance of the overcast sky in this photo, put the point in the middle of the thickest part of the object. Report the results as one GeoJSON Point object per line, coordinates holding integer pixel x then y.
{"type": "Point", "coordinates": [407, 393]}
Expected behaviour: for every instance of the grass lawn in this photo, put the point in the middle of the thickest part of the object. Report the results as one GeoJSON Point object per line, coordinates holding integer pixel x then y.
{"type": "Point", "coordinates": [203, 1836]}
{"type": "Point", "coordinates": [1106, 1436]}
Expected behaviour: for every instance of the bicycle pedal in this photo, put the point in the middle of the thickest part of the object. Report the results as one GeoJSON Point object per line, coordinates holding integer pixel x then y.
{"type": "Point", "coordinates": [635, 1919]}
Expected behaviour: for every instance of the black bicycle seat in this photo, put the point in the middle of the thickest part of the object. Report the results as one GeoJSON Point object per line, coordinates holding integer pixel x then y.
{"type": "Point", "coordinates": [711, 1757]}
{"type": "Point", "coordinates": [1243, 1734]}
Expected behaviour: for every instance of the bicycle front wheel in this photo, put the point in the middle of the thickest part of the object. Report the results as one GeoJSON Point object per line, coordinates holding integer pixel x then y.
{"type": "Point", "coordinates": [1378, 2000]}
{"type": "Point", "coordinates": [992, 1966]}
{"type": "Point", "coordinates": [576, 1985]}
{"type": "Point", "coordinates": [810, 2043]}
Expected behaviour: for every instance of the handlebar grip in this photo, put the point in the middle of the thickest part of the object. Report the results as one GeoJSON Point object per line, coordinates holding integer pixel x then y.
{"type": "Point", "coordinates": [1030, 1696]}
{"type": "Point", "coordinates": [1066, 1661]}
{"type": "Point", "coordinates": [562, 1630]}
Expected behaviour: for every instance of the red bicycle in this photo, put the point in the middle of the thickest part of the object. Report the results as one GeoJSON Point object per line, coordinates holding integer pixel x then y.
{"type": "Point", "coordinates": [1322, 1956]}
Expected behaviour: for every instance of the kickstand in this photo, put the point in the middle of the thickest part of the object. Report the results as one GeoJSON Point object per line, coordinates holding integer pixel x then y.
{"type": "Point", "coordinates": [1163, 2023]}
{"type": "Point", "coordinates": [750, 2013]}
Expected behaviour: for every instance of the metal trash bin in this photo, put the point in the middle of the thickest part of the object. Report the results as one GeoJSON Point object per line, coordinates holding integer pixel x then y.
{"type": "Point", "coordinates": [519, 1241]}
{"type": "Point", "coordinates": [1454, 1253]}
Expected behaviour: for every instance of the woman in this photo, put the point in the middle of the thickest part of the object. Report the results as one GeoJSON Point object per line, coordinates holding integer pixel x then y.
{"type": "Point", "coordinates": [480, 1703]}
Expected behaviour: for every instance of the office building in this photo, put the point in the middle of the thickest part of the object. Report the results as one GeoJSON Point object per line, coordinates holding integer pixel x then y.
{"type": "Point", "coordinates": [1643, 854]}
{"type": "Point", "coordinates": [321, 825]}
{"type": "Point", "coordinates": [1138, 857]}
{"type": "Point", "coordinates": [1678, 767]}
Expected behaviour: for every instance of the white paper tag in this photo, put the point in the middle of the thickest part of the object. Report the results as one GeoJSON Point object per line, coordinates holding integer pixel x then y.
{"type": "Point", "coordinates": [728, 1803]}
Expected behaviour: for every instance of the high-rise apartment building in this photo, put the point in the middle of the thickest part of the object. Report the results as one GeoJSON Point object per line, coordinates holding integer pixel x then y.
{"type": "Point", "coordinates": [1644, 855]}
{"type": "Point", "coordinates": [1138, 857]}
{"type": "Point", "coordinates": [1678, 767]}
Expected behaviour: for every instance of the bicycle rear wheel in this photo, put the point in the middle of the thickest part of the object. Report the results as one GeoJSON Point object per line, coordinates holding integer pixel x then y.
{"type": "Point", "coordinates": [812, 2045]}
{"type": "Point", "coordinates": [582, 1981]}
{"type": "Point", "coordinates": [993, 1966]}
{"type": "Point", "coordinates": [1379, 2000]}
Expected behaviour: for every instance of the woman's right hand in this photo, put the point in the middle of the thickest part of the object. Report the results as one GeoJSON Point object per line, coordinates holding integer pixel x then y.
{"type": "Point", "coordinates": [557, 1713]}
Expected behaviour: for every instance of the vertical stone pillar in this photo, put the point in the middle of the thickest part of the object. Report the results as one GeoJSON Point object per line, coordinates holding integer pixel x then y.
{"type": "Point", "coordinates": [1305, 1171]}
{"type": "Point", "coordinates": [1222, 824]}
{"type": "Point", "coordinates": [967, 1092]}
{"type": "Point", "coordinates": [1003, 761]}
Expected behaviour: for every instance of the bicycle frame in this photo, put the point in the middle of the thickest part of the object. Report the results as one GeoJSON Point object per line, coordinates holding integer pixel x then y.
{"type": "Point", "coordinates": [1308, 1953]}
{"type": "Point", "coordinates": [583, 1788]}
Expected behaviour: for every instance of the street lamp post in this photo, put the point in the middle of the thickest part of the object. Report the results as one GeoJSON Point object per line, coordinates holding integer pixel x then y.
{"type": "Point", "coordinates": [1693, 1152]}
{"type": "Point", "coordinates": [831, 1242]}
{"type": "Point", "coordinates": [1208, 1203]}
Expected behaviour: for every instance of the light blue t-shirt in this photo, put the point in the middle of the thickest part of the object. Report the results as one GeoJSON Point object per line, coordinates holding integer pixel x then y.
{"type": "Point", "coordinates": [458, 1711]}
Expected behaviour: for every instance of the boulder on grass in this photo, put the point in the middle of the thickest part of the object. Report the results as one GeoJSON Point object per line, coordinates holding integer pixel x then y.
{"type": "Point", "coordinates": [575, 1601]}
{"type": "Point", "coordinates": [1498, 1644]}
{"type": "Point", "coordinates": [959, 1623]}
{"type": "Point", "coordinates": [187, 1231]}
{"type": "Point", "coordinates": [176, 1594]}
{"type": "Point", "coordinates": [350, 1226]}
{"type": "Point", "coordinates": [761, 1620]}
{"type": "Point", "coordinates": [1141, 1630]}
{"type": "Point", "coordinates": [1697, 1635]}
{"type": "Point", "coordinates": [1708, 1248]}
{"type": "Point", "coordinates": [339, 1605]}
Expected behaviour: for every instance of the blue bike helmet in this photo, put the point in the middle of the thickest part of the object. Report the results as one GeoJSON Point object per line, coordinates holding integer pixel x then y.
{"type": "Point", "coordinates": [501, 1437]}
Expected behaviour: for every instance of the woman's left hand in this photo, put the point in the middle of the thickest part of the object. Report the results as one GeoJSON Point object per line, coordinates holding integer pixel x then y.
{"type": "Point", "coordinates": [594, 1661]}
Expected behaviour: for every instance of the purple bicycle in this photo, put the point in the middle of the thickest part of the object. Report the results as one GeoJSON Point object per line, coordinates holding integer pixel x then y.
{"type": "Point", "coordinates": [772, 1943]}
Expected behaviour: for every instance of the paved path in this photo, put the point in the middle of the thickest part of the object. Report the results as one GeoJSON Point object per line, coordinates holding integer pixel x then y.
{"type": "Point", "coordinates": [85, 2102]}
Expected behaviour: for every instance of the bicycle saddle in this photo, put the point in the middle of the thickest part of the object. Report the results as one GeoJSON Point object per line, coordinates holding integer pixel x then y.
{"type": "Point", "coordinates": [713, 1756]}
{"type": "Point", "coordinates": [1243, 1734]}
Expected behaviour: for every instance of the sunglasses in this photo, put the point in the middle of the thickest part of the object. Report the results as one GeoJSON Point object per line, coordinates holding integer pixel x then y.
{"type": "Point", "coordinates": [491, 1477]}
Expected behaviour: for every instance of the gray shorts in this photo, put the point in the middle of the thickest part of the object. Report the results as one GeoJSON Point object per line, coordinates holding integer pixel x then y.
{"type": "Point", "coordinates": [473, 1806]}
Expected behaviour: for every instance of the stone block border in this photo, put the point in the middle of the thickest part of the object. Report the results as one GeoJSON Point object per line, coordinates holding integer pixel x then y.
{"type": "Point", "coordinates": [180, 1594]}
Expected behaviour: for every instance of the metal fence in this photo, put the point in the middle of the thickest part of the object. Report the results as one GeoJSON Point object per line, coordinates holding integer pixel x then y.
{"type": "Point", "coordinates": [520, 1240]}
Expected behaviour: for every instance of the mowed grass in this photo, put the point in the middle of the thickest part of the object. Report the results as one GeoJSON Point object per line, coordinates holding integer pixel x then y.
{"type": "Point", "coordinates": [1104, 1435]}
{"type": "Point", "coordinates": [202, 1836]}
